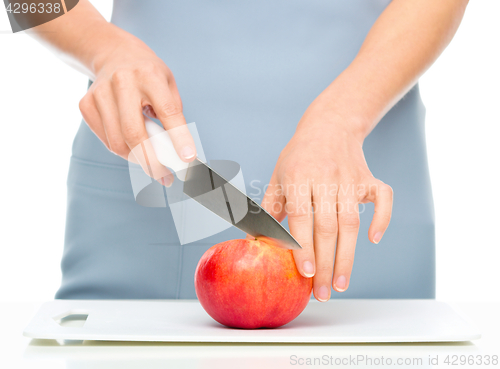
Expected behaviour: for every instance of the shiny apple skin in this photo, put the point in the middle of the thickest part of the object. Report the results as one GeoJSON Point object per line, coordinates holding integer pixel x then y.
{"type": "Point", "coordinates": [251, 284]}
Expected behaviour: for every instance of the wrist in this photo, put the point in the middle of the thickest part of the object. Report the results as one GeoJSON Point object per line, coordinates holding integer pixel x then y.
{"type": "Point", "coordinates": [354, 101]}
{"type": "Point", "coordinates": [338, 113]}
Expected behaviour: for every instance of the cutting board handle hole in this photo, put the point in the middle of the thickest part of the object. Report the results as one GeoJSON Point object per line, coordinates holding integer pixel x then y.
{"type": "Point", "coordinates": [71, 320]}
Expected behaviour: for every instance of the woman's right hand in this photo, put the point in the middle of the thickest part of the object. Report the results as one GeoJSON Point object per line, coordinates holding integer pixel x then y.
{"type": "Point", "coordinates": [131, 81]}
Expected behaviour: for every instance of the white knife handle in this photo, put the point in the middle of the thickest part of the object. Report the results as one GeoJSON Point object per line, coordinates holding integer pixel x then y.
{"type": "Point", "coordinates": [164, 148]}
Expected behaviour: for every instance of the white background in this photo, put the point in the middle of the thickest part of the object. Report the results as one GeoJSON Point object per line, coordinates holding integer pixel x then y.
{"type": "Point", "coordinates": [39, 117]}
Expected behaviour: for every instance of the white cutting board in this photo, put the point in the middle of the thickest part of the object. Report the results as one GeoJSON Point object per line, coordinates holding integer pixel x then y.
{"type": "Point", "coordinates": [336, 321]}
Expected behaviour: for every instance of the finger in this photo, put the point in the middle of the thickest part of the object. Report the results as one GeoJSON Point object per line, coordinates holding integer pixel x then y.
{"type": "Point", "coordinates": [274, 200]}
{"type": "Point", "coordinates": [325, 237]}
{"type": "Point", "coordinates": [92, 117]}
{"type": "Point", "coordinates": [300, 220]}
{"type": "Point", "coordinates": [105, 102]}
{"type": "Point", "coordinates": [134, 132]}
{"type": "Point", "coordinates": [348, 223]}
{"type": "Point", "coordinates": [173, 88]}
{"type": "Point", "coordinates": [382, 197]}
{"type": "Point", "coordinates": [168, 109]}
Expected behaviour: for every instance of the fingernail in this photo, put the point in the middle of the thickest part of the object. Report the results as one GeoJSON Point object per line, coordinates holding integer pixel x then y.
{"type": "Point", "coordinates": [308, 269]}
{"type": "Point", "coordinates": [377, 237]}
{"type": "Point", "coordinates": [187, 152]}
{"type": "Point", "coordinates": [167, 181]}
{"type": "Point", "coordinates": [323, 293]}
{"type": "Point", "coordinates": [341, 284]}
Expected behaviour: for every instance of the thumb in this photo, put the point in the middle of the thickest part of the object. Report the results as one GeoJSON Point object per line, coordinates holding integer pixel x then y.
{"type": "Point", "coordinates": [274, 200]}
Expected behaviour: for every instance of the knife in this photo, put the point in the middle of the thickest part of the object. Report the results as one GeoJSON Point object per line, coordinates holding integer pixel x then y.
{"type": "Point", "coordinates": [204, 185]}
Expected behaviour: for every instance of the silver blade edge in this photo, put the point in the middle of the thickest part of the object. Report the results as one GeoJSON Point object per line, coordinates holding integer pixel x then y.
{"type": "Point", "coordinates": [202, 180]}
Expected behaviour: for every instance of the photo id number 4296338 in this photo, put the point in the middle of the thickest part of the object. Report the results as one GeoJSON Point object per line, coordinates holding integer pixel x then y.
{"type": "Point", "coordinates": [24, 8]}
{"type": "Point", "coordinates": [470, 360]}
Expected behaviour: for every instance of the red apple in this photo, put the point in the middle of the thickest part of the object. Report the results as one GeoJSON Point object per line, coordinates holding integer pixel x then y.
{"type": "Point", "coordinates": [251, 284]}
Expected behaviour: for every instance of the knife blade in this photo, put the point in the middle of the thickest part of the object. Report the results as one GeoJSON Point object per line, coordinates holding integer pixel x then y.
{"type": "Point", "coordinates": [210, 189]}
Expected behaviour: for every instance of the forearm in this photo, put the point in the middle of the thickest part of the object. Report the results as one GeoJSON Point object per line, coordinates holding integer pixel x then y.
{"type": "Point", "coordinates": [405, 40]}
{"type": "Point", "coordinates": [82, 37]}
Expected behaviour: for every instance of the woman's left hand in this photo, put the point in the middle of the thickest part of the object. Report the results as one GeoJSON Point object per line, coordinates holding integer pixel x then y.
{"type": "Point", "coordinates": [322, 170]}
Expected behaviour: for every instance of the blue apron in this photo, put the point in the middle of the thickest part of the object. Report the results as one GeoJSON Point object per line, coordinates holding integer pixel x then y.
{"type": "Point", "coordinates": [246, 72]}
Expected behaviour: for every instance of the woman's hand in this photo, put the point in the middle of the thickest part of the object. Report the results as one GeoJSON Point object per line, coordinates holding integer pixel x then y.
{"type": "Point", "coordinates": [325, 156]}
{"type": "Point", "coordinates": [322, 170]}
{"type": "Point", "coordinates": [132, 80]}
{"type": "Point", "coordinates": [129, 81]}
